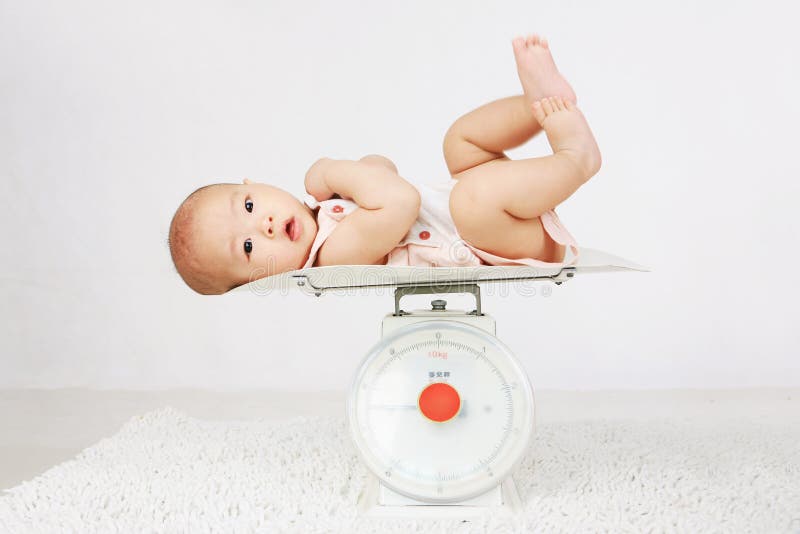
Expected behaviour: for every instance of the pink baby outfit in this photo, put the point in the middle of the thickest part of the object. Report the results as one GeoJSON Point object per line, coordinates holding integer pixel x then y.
{"type": "Point", "coordinates": [433, 240]}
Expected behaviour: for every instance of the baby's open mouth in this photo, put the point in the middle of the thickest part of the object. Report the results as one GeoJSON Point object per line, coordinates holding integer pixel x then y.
{"type": "Point", "coordinates": [292, 229]}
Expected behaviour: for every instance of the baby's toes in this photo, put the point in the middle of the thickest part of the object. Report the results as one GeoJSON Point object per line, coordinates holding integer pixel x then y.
{"type": "Point", "coordinates": [569, 105]}
{"type": "Point", "coordinates": [547, 106]}
{"type": "Point", "coordinates": [558, 103]}
{"type": "Point", "coordinates": [518, 44]}
{"type": "Point", "coordinates": [538, 111]}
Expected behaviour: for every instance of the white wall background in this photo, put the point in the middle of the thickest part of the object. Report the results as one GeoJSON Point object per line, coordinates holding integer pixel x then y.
{"type": "Point", "coordinates": [112, 112]}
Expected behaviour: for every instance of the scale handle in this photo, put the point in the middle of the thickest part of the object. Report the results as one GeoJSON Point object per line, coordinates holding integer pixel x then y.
{"type": "Point", "coordinates": [401, 292]}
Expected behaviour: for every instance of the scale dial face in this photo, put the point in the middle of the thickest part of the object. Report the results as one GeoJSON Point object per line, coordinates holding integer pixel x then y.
{"type": "Point", "coordinates": [441, 411]}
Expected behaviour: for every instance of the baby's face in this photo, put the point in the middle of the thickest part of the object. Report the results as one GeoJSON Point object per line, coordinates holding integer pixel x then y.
{"type": "Point", "coordinates": [253, 230]}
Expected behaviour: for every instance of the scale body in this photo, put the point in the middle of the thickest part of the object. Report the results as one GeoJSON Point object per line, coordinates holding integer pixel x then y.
{"type": "Point", "coordinates": [441, 413]}
{"type": "Point", "coordinates": [390, 495]}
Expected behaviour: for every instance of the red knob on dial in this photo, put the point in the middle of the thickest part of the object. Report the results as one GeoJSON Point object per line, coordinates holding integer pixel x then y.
{"type": "Point", "coordinates": [439, 402]}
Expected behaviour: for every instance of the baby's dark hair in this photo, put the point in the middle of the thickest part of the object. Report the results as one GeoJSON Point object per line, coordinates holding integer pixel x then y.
{"type": "Point", "coordinates": [182, 243]}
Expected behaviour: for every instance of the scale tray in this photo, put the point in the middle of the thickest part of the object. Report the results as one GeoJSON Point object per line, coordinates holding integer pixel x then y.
{"type": "Point", "coordinates": [318, 280]}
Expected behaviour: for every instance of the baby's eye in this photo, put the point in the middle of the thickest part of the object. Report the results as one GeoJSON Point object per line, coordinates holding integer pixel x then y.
{"type": "Point", "coordinates": [248, 205]}
{"type": "Point", "coordinates": [248, 246]}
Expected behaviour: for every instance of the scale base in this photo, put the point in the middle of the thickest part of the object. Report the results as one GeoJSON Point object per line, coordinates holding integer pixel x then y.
{"type": "Point", "coordinates": [376, 500]}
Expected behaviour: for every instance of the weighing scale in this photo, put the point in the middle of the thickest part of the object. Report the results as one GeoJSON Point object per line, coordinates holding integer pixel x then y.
{"type": "Point", "coordinates": [440, 410]}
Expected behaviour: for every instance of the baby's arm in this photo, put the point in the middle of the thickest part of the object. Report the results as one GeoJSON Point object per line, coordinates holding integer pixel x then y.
{"type": "Point", "coordinates": [369, 185]}
{"type": "Point", "coordinates": [390, 206]}
{"type": "Point", "coordinates": [316, 186]}
{"type": "Point", "coordinates": [379, 160]}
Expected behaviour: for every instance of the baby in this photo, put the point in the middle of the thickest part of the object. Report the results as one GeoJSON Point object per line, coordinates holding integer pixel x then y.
{"type": "Point", "coordinates": [492, 211]}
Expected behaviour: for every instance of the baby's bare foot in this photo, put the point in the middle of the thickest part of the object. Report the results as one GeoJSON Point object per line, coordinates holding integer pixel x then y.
{"type": "Point", "coordinates": [568, 132]}
{"type": "Point", "coordinates": [537, 70]}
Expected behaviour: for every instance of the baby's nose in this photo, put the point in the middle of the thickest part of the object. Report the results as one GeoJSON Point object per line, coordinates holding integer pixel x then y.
{"type": "Point", "coordinates": [269, 227]}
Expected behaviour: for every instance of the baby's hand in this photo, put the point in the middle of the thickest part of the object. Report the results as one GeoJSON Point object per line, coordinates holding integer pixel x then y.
{"type": "Point", "coordinates": [315, 180]}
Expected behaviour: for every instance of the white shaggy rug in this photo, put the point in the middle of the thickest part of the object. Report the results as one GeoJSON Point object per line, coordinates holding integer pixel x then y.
{"type": "Point", "coordinates": [167, 472]}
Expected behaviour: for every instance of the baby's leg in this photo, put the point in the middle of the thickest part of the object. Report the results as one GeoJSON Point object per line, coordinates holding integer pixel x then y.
{"type": "Point", "coordinates": [483, 134]}
{"type": "Point", "coordinates": [497, 202]}
{"type": "Point", "coordinates": [496, 205]}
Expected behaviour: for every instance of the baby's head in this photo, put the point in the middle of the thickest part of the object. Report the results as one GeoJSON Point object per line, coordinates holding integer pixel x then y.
{"type": "Point", "coordinates": [226, 235]}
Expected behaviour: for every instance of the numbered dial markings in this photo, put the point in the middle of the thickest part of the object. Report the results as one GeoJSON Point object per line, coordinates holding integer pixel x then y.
{"type": "Point", "coordinates": [441, 411]}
